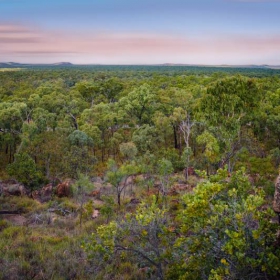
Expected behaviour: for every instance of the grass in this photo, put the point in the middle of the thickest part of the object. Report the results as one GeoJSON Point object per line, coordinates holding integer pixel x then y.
{"type": "Point", "coordinates": [49, 244]}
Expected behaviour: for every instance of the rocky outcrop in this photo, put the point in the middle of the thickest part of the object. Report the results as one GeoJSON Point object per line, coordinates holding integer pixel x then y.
{"type": "Point", "coordinates": [95, 214]}
{"type": "Point", "coordinates": [179, 188]}
{"type": "Point", "coordinates": [95, 194]}
{"type": "Point", "coordinates": [44, 194]}
{"type": "Point", "coordinates": [12, 188]}
{"type": "Point", "coordinates": [63, 189]}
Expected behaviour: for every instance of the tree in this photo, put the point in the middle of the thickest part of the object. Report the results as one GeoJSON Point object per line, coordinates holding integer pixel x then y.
{"type": "Point", "coordinates": [139, 104]}
{"type": "Point", "coordinates": [143, 236]}
{"type": "Point", "coordinates": [104, 120]}
{"type": "Point", "coordinates": [225, 232]}
{"type": "Point", "coordinates": [118, 176]}
{"type": "Point", "coordinates": [82, 186]}
{"type": "Point", "coordinates": [25, 171]}
{"type": "Point", "coordinates": [228, 105]}
{"type": "Point", "coordinates": [128, 150]}
{"type": "Point", "coordinates": [165, 169]}
{"type": "Point", "coordinates": [78, 157]}
{"type": "Point", "coordinates": [80, 139]}
{"type": "Point", "coordinates": [185, 127]}
{"type": "Point", "coordinates": [12, 116]}
{"type": "Point", "coordinates": [89, 91]}
{"type": "Point", "coordinates": [145, 138]}
{"type": "Point", "coordinates": [211, 148]}
{"type": "Point", "coordinates": [111, 89]}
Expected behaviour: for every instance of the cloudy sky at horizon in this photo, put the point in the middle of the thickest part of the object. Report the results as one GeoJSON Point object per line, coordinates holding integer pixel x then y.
{"type": "Point", "coordinates": [140, 32]}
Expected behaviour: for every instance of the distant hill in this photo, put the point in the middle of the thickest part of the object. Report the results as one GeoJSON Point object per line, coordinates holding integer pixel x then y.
{"type": "Point", "coordinates": [23, 65]}
{"type": "Point", "coordinates": [61, 64]}
{"type": "Point", "coordinates": [247, 70]}
{"type": "Point", "coordinates": [68, 64]}
{"type": "Point", "coordinates": [264, 66]}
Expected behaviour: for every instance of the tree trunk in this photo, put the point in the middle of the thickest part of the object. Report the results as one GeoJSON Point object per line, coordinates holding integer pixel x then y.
{"type": "Point", "coordinates": [160, 272]}
{"type": "Point", "coordinates": [10, 154]}
{"type": "Point", "coordinates": [48, 166]}
{"type": "Point", "coordinates": [175, 137]}
{"type": "Point", "coordinates": [119, 199]}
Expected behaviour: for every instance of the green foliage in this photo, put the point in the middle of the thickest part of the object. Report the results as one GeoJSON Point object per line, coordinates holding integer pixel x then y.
{"type": "Point", "coordinates": [114, 175]}
{"type": "Point", "coordinates": [82, 186]}
{"type": "Point", "coordinates": [78, 159]}
{"type": "Point", "coordinates": [225, 232]}
{"type": "Point", "coordinates": [165, 167]}
{"type": "Point", "coordinates": [145, 138]}
{"type": "Point", "coordinates": [108, 208]}
{"type": "Point", "coordinates": [143, 235]}
{"type": "Point", "coordinates": [128, 150]}
{"type": "Point", "coordinates": [25, 171]}
{"type": "Point", "coordinates": [152, 121]}
{"type": "Point", "coordinates": [118, 176]}
{"type": "Point", "coordinates": [261, 166]}
{"type": "Point", "coordinates": [12, 116]}
{"type": "Point", "coordinates": [174, 157]}
{"type": "Point", "coordinates": [211, 146]}
{"type": "Point", "coordinates": [80, 138]}
{"type": "Point", "coordinates": [230, 100]}
{"type": "Point", "coordinates": [139, 104]}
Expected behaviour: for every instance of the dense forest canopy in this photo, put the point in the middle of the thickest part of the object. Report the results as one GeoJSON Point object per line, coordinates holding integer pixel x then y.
{"type": "Point", "coordinates": [216, 129]}
{"type": "Point", "coordinates": [52, 114]}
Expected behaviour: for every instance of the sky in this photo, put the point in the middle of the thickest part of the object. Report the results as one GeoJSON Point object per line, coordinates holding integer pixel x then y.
{"type": "Point", "coordinates": [207, 32]}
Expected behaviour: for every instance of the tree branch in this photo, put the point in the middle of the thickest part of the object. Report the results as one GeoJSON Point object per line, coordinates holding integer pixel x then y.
{"type": "Point", "coordinates": [119, 247]}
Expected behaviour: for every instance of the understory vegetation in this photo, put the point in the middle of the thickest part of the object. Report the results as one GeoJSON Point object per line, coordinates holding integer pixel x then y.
{"type": "Point", "coordinates": [139, 173]}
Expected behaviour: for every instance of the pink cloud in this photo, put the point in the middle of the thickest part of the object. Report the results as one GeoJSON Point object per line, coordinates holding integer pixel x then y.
{"type": "Point", "coordinates": [19, 43]}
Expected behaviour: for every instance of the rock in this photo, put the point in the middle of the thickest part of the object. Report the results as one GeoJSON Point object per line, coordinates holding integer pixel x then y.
{"type": "Point", "coordinates": [63, 189]}
{"type": "Point", "coordinates": [276, 200]}
{"type": "Point", "coordinates": [12, 188]}
{"type": "Point", "coordinates": [36, 195]}
{"type": "Point", "coordinates": [173, 192]}
{"type": "Point", "coordinates": [107, 189]}
{"type": "Point", "coordinates": [95, 194]}
{"type": "Point", "coordinates": [98, 185]}
{"type": "Point", "coordinates": [178, 188]}
{"type": "Point", "coordinates": [134, 201]}
{"type": "Point", "coordinates": [43, 195]}
{"type": "Point", "coordinates": [97, 180]}
{"type": "Point", "coordinates": [130, 180]}
{"type": "Point", "coordinates": [46, 192]}
{"type": "Point", "coordinates": [95, 214]}
{"type": "Point", "coordinates": [189, 172]}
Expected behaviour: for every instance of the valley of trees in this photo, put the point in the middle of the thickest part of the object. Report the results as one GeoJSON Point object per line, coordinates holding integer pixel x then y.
{"type": "Point", "coordinates": [167, 173]}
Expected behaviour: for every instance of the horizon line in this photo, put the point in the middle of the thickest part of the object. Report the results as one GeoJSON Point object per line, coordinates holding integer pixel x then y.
{"type": "Point", "coordinates": [136, 64]}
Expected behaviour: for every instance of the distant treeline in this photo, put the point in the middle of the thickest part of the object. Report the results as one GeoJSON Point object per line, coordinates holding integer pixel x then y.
{"type": "Point", "coordinates": [253, 71]}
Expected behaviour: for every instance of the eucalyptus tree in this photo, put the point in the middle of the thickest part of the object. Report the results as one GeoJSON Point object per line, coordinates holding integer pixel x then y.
{"type": "Point", "coordinates": [102, 119]}
{"type": "Point", "coordinates": [139, 105]}
{"type": "Point", "coordinates": [79, 159]}
{"type": "Point", "coordinates": [118, 175]}
{"type": "Point", "coordinates": [227, 106]}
